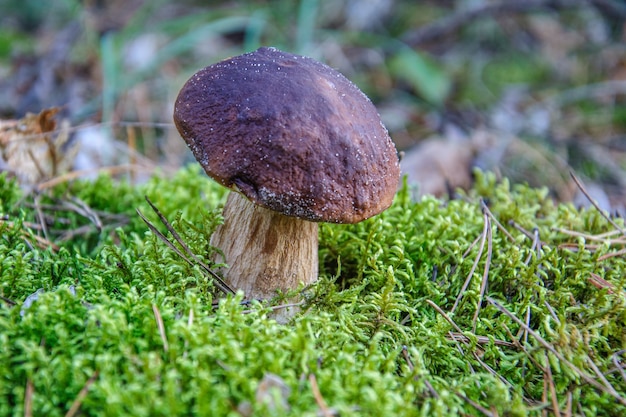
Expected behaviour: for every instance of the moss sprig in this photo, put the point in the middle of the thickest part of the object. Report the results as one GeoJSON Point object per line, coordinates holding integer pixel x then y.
{"type": "Point", "coordinates": [137, 330]}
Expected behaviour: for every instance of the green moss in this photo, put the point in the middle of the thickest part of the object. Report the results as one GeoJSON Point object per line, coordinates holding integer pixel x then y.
{"type": "Point", "coordinates": [384, 331]}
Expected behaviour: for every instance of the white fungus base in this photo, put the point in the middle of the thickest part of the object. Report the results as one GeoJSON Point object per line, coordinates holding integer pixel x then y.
{"type": "Point", "coordinates": [266, 251]}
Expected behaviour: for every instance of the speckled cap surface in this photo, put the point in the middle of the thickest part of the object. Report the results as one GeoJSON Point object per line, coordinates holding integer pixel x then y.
{"type": "Point", "coordinates": [291, 134]}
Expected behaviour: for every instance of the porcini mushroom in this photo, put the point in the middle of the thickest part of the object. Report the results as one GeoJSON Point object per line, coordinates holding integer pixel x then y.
{"type": "Point", "coordinates": [298, 143]}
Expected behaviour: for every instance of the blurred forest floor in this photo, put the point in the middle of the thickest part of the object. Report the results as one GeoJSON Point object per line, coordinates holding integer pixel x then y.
{"type": "Point", "coordinates": [532, 90]}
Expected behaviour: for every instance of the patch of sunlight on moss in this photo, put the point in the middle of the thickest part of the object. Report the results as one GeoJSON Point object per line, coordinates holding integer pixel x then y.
{"type": "Point", "coordinates": [378, 334]}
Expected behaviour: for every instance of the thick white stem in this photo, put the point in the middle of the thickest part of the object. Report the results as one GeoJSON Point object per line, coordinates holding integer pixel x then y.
{"type": "Point", "coordinates": [265, 250]}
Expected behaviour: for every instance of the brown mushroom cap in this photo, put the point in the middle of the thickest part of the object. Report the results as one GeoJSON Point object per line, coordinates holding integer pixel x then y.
{"type": "Point", "coordinates": [291, 134]}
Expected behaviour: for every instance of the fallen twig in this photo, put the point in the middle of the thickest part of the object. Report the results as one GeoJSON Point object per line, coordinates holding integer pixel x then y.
{"type": "Point", "coordinates": [28, 398]}
{"type": "Point", "coordinates": [219, 283]}
{"type": "Point", "coordinates": [429, 386]}
{"type": "Point", "coordinates": [485, 208]}
{"type": "Point", "coordinates": [318, 396]}
{"type": "Point", "coordinates": [483, 238]}
{"type": "Point", "coordinates": [485, 279]}
{"type": "Point", "coordinates": [81, 395]}
{"type": "Point", "coordinates": [161, 326]}
{"type": "Point", "coordinates": [549, 384]}
{"type": "Point", "coordinates": [596, 205]}
{"type": "Point", "coordinates": [607, 389]}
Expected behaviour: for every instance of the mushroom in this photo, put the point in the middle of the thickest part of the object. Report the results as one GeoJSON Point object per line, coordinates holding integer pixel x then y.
{"type": "Point", "coordinates": [298, 144]}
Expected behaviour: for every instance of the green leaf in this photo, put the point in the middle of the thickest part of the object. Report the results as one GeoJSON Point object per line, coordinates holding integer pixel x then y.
{"type": "Point", "coordinates": [426, 78]}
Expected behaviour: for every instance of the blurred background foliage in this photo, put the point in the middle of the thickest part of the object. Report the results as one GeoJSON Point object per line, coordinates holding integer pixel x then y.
{"type": "Point", "coordinates": [530, 90]}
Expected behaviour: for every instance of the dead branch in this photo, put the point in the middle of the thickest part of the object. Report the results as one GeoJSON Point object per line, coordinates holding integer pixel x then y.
{"type": "Point", "coordinates": [454, 22]}
{"type": "Point", "coordinates": [583, 375]}
{"type": "Point", "coordinates": [219, 282]}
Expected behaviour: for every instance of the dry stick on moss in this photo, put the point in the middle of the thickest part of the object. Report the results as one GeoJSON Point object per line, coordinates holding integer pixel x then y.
{"type": "Point", "coordinates": [465, 254]}
{"type": "Point", "coordinates": [40, 217]}
{"type": "Point", "coordinates": [601, 237]}
{"type": "Point", "coordinates": [521, 347]}
{"type": "Point", "coordinates": [326, 412]}
{"type": "Point", "coordinates": [568, 404]}
{"type": "Point", "coordinates": [536, 246]}
{"type": "Point", "coordinates": [476, 405]}
{"type": "Point", "coordinates": [607, 389]}
{"type": "Point", "coordinates": [519, 228]}
{"type": "Point", "coordinates": [8, 301]}
{"type": "Point", "coordinates": [429, 386]}
{"type": "Point", "coordinates": [483, 237]}
{"type": "Point", "coordinates": [219, 283]}
{"type": "Point", "coordinates": [28, 398]}
{"type": "Point", "coordinates": [161, 327]}
{"type": "Point", "coordinates": [549, 385]}
{"type": "Point", "coordinates": [552, 312]}
{"type": "Point", "coordinates": [612, 255]}
{"type": "Point", "coordinates": [180, 241]}
{"type": "Point", "coordinates": [485, 280]}
{"type": "Point", "coordinates": [474, 354]}
{"type": "Point", "coordinates": [599, 282]}
{"type": "Point", "coordinates": [481, 340]}
{"type": "Point", "coordinates": [485, 208]}
{"type": "Point", "coordinates": [619, 365]}
{"type": "Point", "coordinates": [80, 207]}
{"type": "Point", "coordinates": [41, 242]}
{"type": "Point", "coordinates": [596, 205]}
{"type": "Point", "coordinates": [456, 327]}
{"type": "Point", "coordinates": [599, 373]}
{"type": "Point", "coordinates": [81, 395]}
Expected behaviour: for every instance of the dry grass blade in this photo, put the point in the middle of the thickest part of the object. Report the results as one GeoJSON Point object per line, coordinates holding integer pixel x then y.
{"type": "Point", "coordinates": [40, 242]}
{"type": "Point", "coordinates": [28, 398]}
{"type": "Point", "coordinates": [407, 358]}
{"type": "Point", "coordinates": [568, 404]}
{"type": "Point", "coordinates": [602, 237]}
{"type": "Point", "coordinates": [620, 366]}
{"type": "Point", "coordinates": [483, 340]}
{"type": "Point", "coordinates": [8, 301]}
{"type": "Point", "coordinates": [536, 246]}
{"type": "Point", "coordinates": [599, 282]}
{"type": "Point", "coordinates": [553, 314]}
{"type": "Point", "coordinates": [483, 238]}
{"type": "Point", "coordinates": [474, 353]}
{"type": "Point", "coordinates": [549, 382]}
{"type": "Point", "coordinates": [584, 376]}
{"type": "Point", "coordinates": [599, 373]}
{"type": "Point", "coordinates": [161, 326]}
{"type": "Point", "coordinates": [612, 255]}
{"type": "Point", "coordinates": [81, 396]}
{"type": "Point", "coordinates": [187, 250]}
{"type": "Point", "coordinates": [80, 207]}
{"type": "Point", "coordinates": [596, 205]}
{"type": "Point", "coordinates": [318, 396]}
{"type": "Point", "coordinates": [485, 208]}
{"type": "Point", "coordinates": [444, 315]}
{"type": "Point", "coordinates": [485, 280]}
{"type": "Point", "coordinates": [40, 217]}
{"type": "Point", "coordinates": [219, 282]}
{"type": "Point", "coordinates": [475, 405]}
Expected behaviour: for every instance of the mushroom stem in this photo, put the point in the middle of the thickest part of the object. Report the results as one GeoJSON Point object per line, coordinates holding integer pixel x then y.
{"type": "Point", "coordinates": [266, 251]}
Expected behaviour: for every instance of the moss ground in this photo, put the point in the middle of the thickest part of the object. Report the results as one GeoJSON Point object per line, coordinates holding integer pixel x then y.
{"type": "Point", "coordinates": [497, 303]}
